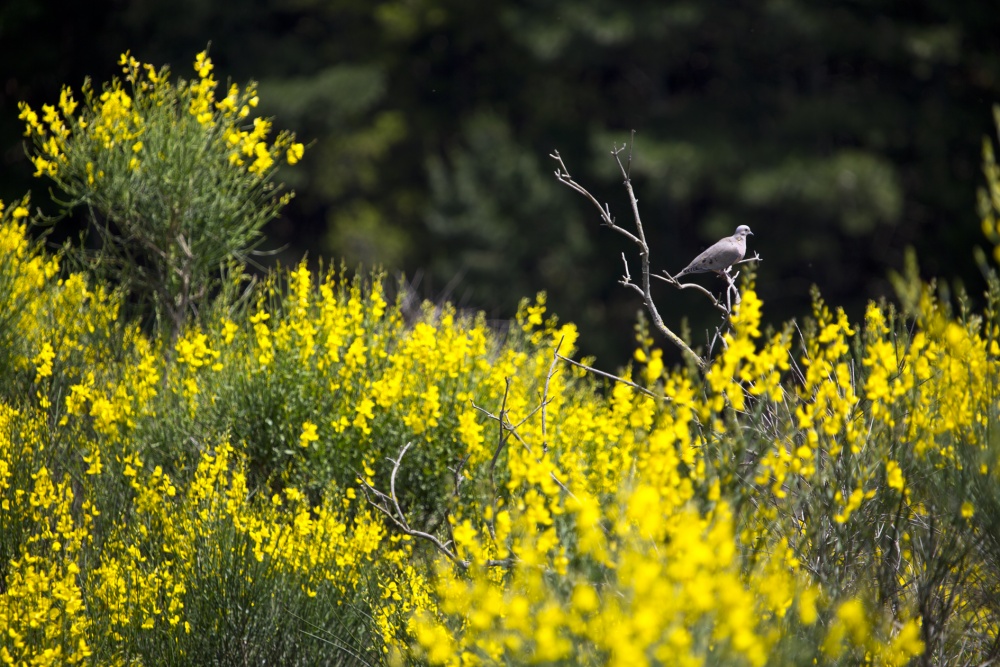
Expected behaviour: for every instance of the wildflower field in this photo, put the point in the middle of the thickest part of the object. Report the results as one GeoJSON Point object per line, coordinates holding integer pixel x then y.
{"type": "Point", "coordinates": [197, 469]}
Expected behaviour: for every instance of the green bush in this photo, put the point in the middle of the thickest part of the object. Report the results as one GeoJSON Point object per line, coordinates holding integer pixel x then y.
{"type": "Point", "coordinates": [176, 183]}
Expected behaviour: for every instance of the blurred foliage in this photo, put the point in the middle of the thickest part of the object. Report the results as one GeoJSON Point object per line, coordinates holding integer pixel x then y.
{"type": "Point", "coordinates": [841, 133]}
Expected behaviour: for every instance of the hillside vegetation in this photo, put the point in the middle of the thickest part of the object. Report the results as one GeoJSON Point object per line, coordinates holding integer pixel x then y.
{"type": "Point", "coordinates": [198, 469]}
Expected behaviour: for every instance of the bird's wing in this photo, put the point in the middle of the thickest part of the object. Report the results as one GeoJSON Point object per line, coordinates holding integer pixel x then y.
{"type": "Point", "coordinates": [723, 254]}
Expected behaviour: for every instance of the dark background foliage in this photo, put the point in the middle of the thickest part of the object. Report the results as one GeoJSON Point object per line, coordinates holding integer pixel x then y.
{"type": "Point", "coordinates": [840, 132]}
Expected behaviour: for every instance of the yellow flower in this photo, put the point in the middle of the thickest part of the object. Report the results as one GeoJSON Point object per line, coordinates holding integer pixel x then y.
{"type": "Point", "coordinates": [263, 160]}
{"type": "Point", "coordinates": [43, 362]}
{"type": "Point", "coordinates": [294, 153]}
{"type": "Point", "coordinates": [807, 606]}
{"type": "Point", "coordinates": [66, 101]}
{"type": "Point", "coordinates": [32, 126]}
{"type": "Point", "coordinates": [894, 476]}
{"type": "Point", "coordinates": [849, 623]}
{"type": "Point", "coordinates": [308, 434]}
{"type": "Point", "coordinates": [203, 64]}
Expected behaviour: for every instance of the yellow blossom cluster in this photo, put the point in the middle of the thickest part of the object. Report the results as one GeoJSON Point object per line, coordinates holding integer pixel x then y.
{"type": "Point", "coordinates": [120, 122]}
{"type": "Point", "coordinates": [201, 488]}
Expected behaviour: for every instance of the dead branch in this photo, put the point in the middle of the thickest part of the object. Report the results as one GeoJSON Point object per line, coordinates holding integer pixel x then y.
{"type": "Point", "coordinates": [506, 426]}
{"type": "Point", "coordinates": [615, 378]}
{"type": "Point", "coordinates": [545, 393]}
{"type": "Point", "coordinates": [388, 505]}
{"type": "Point", "coordinates": [732, 295]}
{"type": "Point", "coordinates": [638, 238]}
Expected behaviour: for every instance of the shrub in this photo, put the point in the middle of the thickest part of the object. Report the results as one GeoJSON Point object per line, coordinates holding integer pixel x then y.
{"type": "Point", "coordinates": [176, 183]}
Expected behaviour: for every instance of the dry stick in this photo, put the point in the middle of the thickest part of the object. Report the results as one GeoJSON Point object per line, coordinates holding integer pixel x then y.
{"type": "Point", "coordinates": [667, 278]}
{"type": "Point", "coordinates": [545, 393]}
{"type": "Point", "coordinates": [593, 370]}
{"type": "Point", "coordinates": [563, 176]}
{"type": "Point", "coordinates": [501, 442]}
{"type": "Point", "coordinates": [505, 424]}
{"type": "Point", "coordinates": [644, 257]}
{"type": "Point", "coordinates": [517, 436]}
{"type": "Point", "coordinates": [716, 336]}
{"type": "Point", "coordinates": [458, 471]}
{"type": "Point", "coordinates": [332, 640]}
{"type": "Point", "coordinates": [500, 439]}
{"type": "Point", "coordinates": [399, 518]}
{"type": "Point", "coordinates": [512, 429]}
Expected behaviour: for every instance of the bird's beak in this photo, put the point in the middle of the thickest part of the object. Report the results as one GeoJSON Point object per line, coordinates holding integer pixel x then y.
{"type": "Point", "coordinates": [750, 233]}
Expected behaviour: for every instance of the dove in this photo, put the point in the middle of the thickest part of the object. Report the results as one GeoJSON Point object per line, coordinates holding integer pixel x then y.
{"type": "Point", "coordinates": [721, 255]}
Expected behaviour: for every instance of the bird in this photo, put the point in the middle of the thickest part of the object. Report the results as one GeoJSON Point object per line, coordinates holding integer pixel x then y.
{"type": "Point", "coordinates": [721, 255]}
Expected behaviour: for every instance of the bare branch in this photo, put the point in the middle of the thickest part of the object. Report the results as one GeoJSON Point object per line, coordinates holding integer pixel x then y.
{"type": "Point", "coordinates": [505, 425]}
{"type": "Point", "coordinates": [458, 471]}
{"type": "Point", "coordinates": [385, 503]}
{"type": "Point", "coordinates": [667, 278]}
{"type": "Point", "coordinates": [562, 175]}
{"type": "Point", "coordinates": [591, 369]}
{"type": "Point", "coordinates": [545, 392]}
{"type": "Point", "coordinates": [639, 238]}
{"type": "Point", "coordinates": [501, 441]}
{"type": "Point", "coordinates": [388, 505]}
{"type": "Point", "coordinates": [631, 144]}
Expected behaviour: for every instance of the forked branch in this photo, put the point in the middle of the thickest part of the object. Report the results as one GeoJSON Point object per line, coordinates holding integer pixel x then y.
{"type": "Point", "coordinates": [638, 238]}
{"type": "Point", "coordinates": [388, 505]}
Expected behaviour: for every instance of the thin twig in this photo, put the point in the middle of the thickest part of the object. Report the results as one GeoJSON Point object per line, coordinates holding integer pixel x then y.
{"type": "Point", "coordinates": [669, 279]}
{"type": "Point", "coordinates": [639, 238]}
{"type": "Point", "coordinates": [562, 175]}
{"type": "Point", "coordinates": [591, 369]}
{"type": "Point", "coordinates": [458, 471]}
{"type": "Point", "coordinates": [500, 439]}
{"type": "Point", "coordinates": [545, 393]}
{"type": "Point", "coordinates": [505, 425]}
{"type": "Point", "coordinates": [388, 504]}
{"type": "Point", "coordinates": [335, 641]}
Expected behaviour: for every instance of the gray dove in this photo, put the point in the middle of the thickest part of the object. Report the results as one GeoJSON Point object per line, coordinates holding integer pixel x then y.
{"type": "Point", "coordinates": [721, 255]}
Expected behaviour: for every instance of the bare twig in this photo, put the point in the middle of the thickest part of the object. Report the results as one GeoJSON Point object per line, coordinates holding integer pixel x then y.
{"type": "Point", "coordinates": [717, 336]}
{"type": "Point", "coordinates": [730, 288]}
{"type": "Point", "coordinates": [562, 175]}
{"type": "Point", "coordinates": [388, 505]}
{"type": "Point", "coordinates": [501, 441]}
{"type": "Point", "coordinates": [458, 471]}
{"type": "Point", "coordinates": [545, 393]}
{"type": "Point", "coordinates": [667, 278]}
{"type": "Point", "coordinates": [331, 638]}
{"type": "Point", "coordinates": [506, 426]}
{"type": "Point", "coordinates": [639, 238]}
{"type": "Point", "coordinates": [591, 369]}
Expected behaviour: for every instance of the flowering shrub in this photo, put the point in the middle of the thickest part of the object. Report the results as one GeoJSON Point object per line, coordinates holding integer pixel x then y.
{"type": "Point", "coordinates": [309, 479]}
{"type": "Point", "coordinates": [177, 181]}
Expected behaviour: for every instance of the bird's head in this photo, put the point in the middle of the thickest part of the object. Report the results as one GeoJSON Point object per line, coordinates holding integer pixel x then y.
{"type": "Point", "coordinates": [743, 231]}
